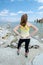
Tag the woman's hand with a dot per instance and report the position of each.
(28, 36)
(20, 35)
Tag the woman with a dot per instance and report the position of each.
(24, 33)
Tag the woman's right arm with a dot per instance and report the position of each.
(15, 29)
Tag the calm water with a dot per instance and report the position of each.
(13, 24)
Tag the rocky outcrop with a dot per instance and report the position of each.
(40, 20)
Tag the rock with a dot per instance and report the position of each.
(42, 39)
(8, 56)
(38, 60)
(34, 42)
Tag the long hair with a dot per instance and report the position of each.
(23, 20)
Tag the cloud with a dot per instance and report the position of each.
(40, 8)
(4, 12)
(9, 19)
(40, 13)
(13, 14)
(7, 13)
(19, 12)
(12, 0)
(40, 1)
(22, 12)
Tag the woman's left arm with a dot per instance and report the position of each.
(35, 29)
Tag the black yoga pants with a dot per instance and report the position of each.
(27, 41)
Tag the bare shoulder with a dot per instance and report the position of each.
(29, 24)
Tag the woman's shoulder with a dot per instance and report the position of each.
(29, 24)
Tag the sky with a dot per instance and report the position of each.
(12, 10)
